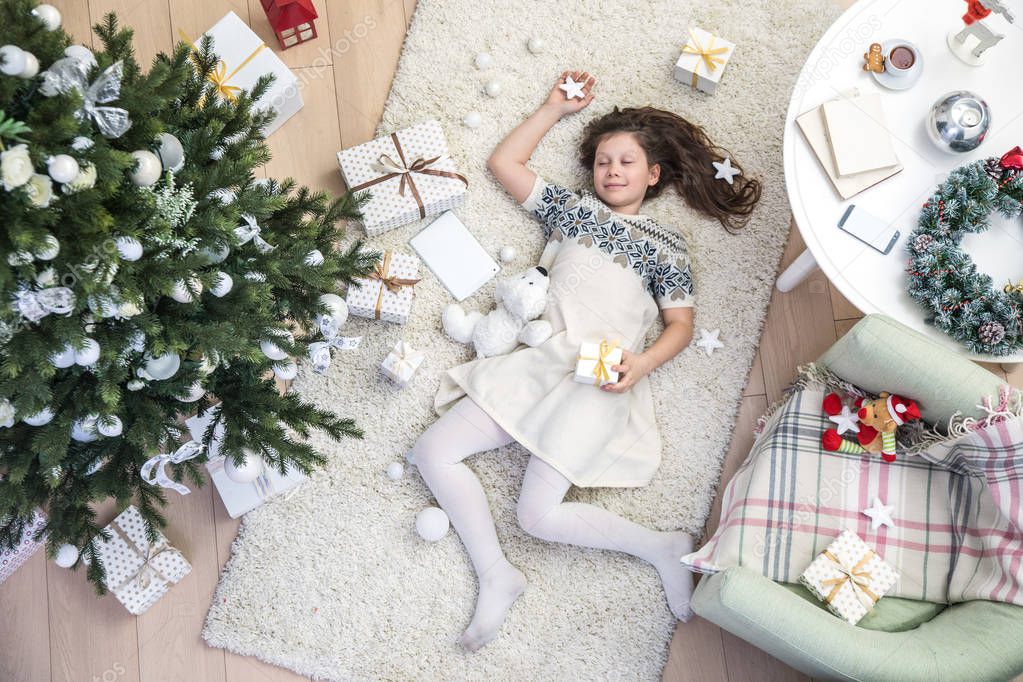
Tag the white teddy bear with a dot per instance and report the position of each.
(520, 300)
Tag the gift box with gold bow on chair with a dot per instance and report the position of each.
(594, 363)
(386, 294)
(849, 577)
(138, 572)
(703, 60)
(243, 59)
(408, 174)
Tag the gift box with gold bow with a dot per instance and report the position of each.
(244, 57)
(703, 60)
(849, 577)
(138, 572)
(401, 363)
(408, 174)
(593, 365)
(387, 293)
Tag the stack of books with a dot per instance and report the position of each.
(850, 137)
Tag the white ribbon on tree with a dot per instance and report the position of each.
(153, 470)
(35, 305)
(319, 351)
(250, 232)
(70, 73)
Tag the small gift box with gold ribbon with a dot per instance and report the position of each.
(703, 60)
(408, 174)
(401, 363)
(387, 293)
(593, 365)
(849, 577)
(244, 57)
(138, 572)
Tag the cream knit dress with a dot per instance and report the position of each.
(609, 275)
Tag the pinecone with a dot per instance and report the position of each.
(993, 167)
(922, 242)
(990, 333)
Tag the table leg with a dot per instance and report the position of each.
(796, 272)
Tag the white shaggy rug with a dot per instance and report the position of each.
(333, 582)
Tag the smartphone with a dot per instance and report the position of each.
(869, 229)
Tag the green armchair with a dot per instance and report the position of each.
(902, 639)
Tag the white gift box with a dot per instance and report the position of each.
(136, 571)
(401, 363)
(387, 293)
(849, 577)
(240, 498)
(12, 559)
(244, 58)
(593, 366)
(703, 60)
(408, 174)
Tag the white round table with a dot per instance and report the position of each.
(873, 282)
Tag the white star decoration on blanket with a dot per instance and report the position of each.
(880, 514)
(845, 420)
(725, 171)
(709, 341)
(572, 89)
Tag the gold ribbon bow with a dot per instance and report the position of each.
(601, 370)
(706, 54)
(857, 578)
(146, 572)
(393, 283)
(393, 169)
(219, 75)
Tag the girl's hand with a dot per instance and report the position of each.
(633, 367)
(564, 106)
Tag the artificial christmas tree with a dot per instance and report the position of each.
(143, 267)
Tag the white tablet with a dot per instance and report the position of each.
(454, 255)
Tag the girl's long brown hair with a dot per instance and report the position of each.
(685, 154)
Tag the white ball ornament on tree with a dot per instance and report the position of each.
(272, 350)
(62, 168)
(162, 367)
(40, 418)
(313, 258)
(84, 430)
(483, 61)
(31, 66)
(13, 60)
(135, 385)
(223, 285)
(182, 291)
(80, 53)
(63, 359)
(147, 169)
(129, 248)
(395, 470)
(287, 372)
(19, 258)
(246, 472)
(216, 254)
(337, 306)
(493, 88)
(195, 392)
(432, 524)
(67, 555)
(110, 426)
(50, 248)
(48, 15)
(171, 153)
(472, 120)
(88, 354)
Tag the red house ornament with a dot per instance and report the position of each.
(291, 20)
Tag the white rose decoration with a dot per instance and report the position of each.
(6, 414)
(40, 190)
(86, 179)
(16, 166)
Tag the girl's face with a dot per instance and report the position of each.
(621, 173)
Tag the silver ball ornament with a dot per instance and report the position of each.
(171, 153)
(958, 122)
(62, 168)
(147, 169)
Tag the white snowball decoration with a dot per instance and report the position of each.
(13, 60)
(223, 286)
(67, 555)
(472, 120)
(64, 358)
(43, 416)
(89, 353)
(62, 168)
(84, 430)
(147, 168)
(80, 143)
(536, 45)
(171, 153)
(337, 306)
(484, 61)
(182, 292)
(31, 66)
(81, 53)
(432, 524)
(493, 88)
(195, 392)
(272, 351)
(49, 15)
(110, 426)
(395, 470)
(50, 249)
(129, 248)
(314, 258)
(286, 373)
(162, 366)
(246, 472)
(508, 253)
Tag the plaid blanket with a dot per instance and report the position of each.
(958, 517)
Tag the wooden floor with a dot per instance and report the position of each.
(54, 627)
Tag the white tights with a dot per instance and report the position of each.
(465, 430)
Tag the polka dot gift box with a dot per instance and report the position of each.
(137, 572)
(12, 559)
(849, 577)
(408, 174)
(387, 293)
